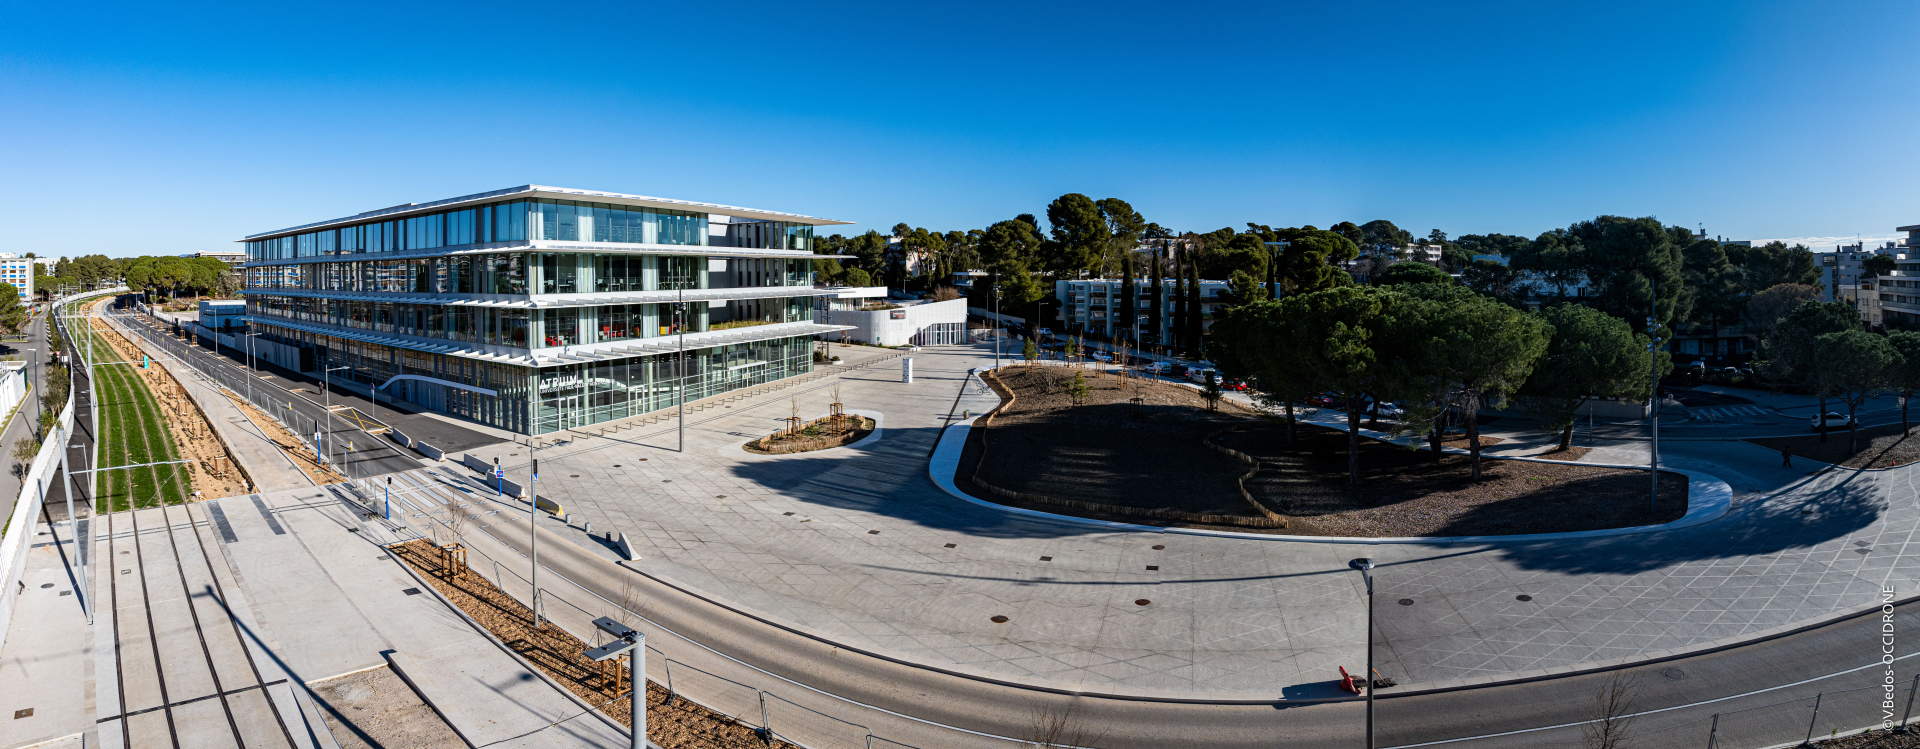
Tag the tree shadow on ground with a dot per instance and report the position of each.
(1797, 518)
(889, 477)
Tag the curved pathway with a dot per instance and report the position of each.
(860, 546)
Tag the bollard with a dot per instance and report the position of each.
(1815, 720)
(637, 685)
(906, 370)
(766, 731)
(1910, 691)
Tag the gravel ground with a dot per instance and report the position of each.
(1407, 493)
(679, 725)
(376, 710)
(1880, 447)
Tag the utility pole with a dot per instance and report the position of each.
(533, 535)
(1653, 362)
(1365, 566)
(680, 314)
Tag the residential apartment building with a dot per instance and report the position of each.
(1093, 306)
(536, 309)
(230, 258)
(1899, 293)
(18, 271)
(1841, 268)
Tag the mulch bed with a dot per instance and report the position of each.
(817, 436)
(1409, 493)
(1103, 452)
(1880, 447)
(1894, 739)
(680, 724)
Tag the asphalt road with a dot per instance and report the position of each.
(371, 454)
(1728, 682)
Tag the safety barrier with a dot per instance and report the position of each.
(798, 714)
(17, 537)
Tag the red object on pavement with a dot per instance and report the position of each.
(1346, 681)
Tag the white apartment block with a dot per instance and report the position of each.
(1094, 305)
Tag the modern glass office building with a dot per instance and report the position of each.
(537, 309)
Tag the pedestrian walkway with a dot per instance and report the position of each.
(330, 601)
(1731, 413)
(854, 543)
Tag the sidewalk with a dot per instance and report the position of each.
(47, 666)
(263, 460)
(330, 601)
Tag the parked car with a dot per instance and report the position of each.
(1199, 374)
(1831, 420)
(1159, 367)
(1102, 356)
(1234, 384)
(1324, 400)
(1177, 370)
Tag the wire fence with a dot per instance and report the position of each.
(799, 714)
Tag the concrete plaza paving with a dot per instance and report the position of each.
(859, 545)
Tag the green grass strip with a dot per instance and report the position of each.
(134, 431)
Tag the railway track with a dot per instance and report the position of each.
(184, 674)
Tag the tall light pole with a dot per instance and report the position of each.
(328, 395)
(680, 315)
(533, 535)
(1653, 362)
(1365, 566)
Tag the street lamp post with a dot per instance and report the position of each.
(327, 392)
(1365, 566)
(680, 315)
(533, 536)
(630, 642)
(1653, 362)
(86, 588)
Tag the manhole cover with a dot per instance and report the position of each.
(1406, 602)
(719, 496)
(46, 585)
(1159, 547)
(27, 713)
(999, 620)
(573, 475)
(643, 460)
(1046, 559)
(616, 465)
(1673, 673)
(1141, 602)
(1523, 597)
(412, 591)
(949, 546)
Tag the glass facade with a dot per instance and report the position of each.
(509, 221)
(576, 395)
(521, 273)
(430, 294)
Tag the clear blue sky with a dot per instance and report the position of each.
(155, 128)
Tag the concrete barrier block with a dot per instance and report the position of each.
(429, 451)
(400, 437)
(626, 548)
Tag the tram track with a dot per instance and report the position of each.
(128, 528)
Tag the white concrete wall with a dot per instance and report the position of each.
(879, 327)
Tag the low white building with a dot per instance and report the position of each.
(896, 323)
(849, 297)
